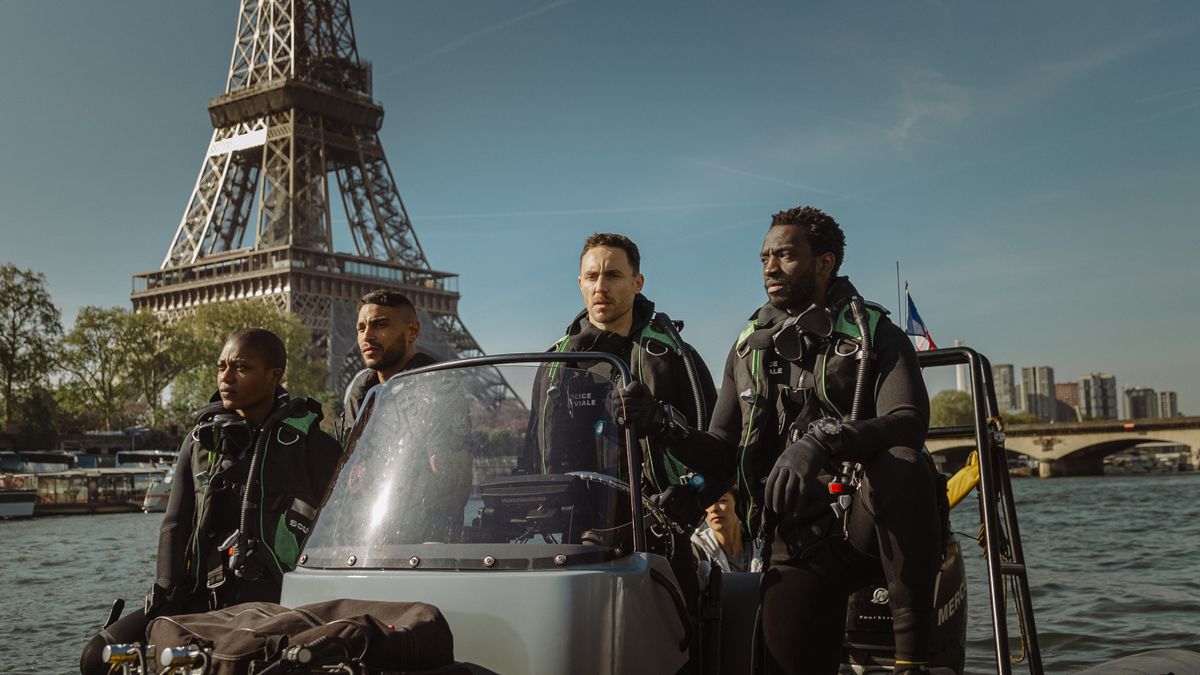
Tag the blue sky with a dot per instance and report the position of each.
(1034, 167)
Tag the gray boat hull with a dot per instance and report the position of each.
(589, 620)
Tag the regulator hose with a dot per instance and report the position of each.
(289, 408)
(688, 366)
(859, 313)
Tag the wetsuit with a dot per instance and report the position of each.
(367, 379)
(297, 465)
(894, 531)
(559, 436)
(561, 433)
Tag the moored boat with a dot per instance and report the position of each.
(17, 495)
(157, 494)
(84, 491)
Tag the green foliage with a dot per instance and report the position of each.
(155, 352)
(29, 325)
(96, 361)
(1017, 417)
(951, 408)
(205, 332)
(37, 419)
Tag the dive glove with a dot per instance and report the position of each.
(794, 478)
(636, 405)
(680, 503)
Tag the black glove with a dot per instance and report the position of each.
(794, 477)
(637, 406)
(681, 503)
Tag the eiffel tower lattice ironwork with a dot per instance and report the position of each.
(295, 130)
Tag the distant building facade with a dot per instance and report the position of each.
(1037, 392)
(1067, 392)
(1168, 404)
(1140, 403)
(1006, 388)
(1098, 396)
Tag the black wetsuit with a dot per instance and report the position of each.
(367, 379)
(894, 529)
(560, 437)
(205, 508)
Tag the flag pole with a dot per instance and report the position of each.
(899, 303)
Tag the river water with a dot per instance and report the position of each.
(1113, 565)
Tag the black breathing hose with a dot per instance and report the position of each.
(864, 355)
(688, 366)
(260, 446)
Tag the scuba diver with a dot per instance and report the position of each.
(819, 378)
(248, 482)
(619, 320)
(387, 329)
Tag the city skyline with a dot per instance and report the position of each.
(1031, 167)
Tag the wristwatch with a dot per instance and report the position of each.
(828, 432)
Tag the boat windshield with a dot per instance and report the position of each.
(446, 469)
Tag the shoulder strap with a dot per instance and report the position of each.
(845, 326)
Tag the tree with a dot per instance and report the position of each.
(29, 325)
(37, 419)
(951, 408)
(94, 359)
(154, 353)
(206, 331)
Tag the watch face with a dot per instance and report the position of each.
(829, 426)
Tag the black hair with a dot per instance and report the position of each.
(263, 343)
(823, 233)
(614, 240)
(386, 298)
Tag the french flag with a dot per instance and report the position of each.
(916, 327)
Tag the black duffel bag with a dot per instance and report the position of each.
(386, 637)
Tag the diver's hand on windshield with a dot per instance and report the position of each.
(794, 478)
(637, 406)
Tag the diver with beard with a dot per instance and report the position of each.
(387, 330)
(791, 410)
(562, 434)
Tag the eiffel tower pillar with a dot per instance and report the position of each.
(295, 132)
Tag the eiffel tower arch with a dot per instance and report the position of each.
(296, 132)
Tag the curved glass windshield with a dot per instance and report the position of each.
(442, 472)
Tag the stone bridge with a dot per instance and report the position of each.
(1078, 448)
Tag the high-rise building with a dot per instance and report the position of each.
(1037, 392)
(1067, 392)
(1006, 387)
(1168, 404)
(1098, 396)
(1140, 403)
(1067, 401)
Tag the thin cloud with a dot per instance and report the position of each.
(1168, 94)
(472, 37)
(926, 96)
(574, 212)
(768, 179)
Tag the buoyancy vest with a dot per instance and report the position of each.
(655, 359)
(825, 386)
(285, 495)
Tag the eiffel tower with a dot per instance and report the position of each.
(295, 130)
